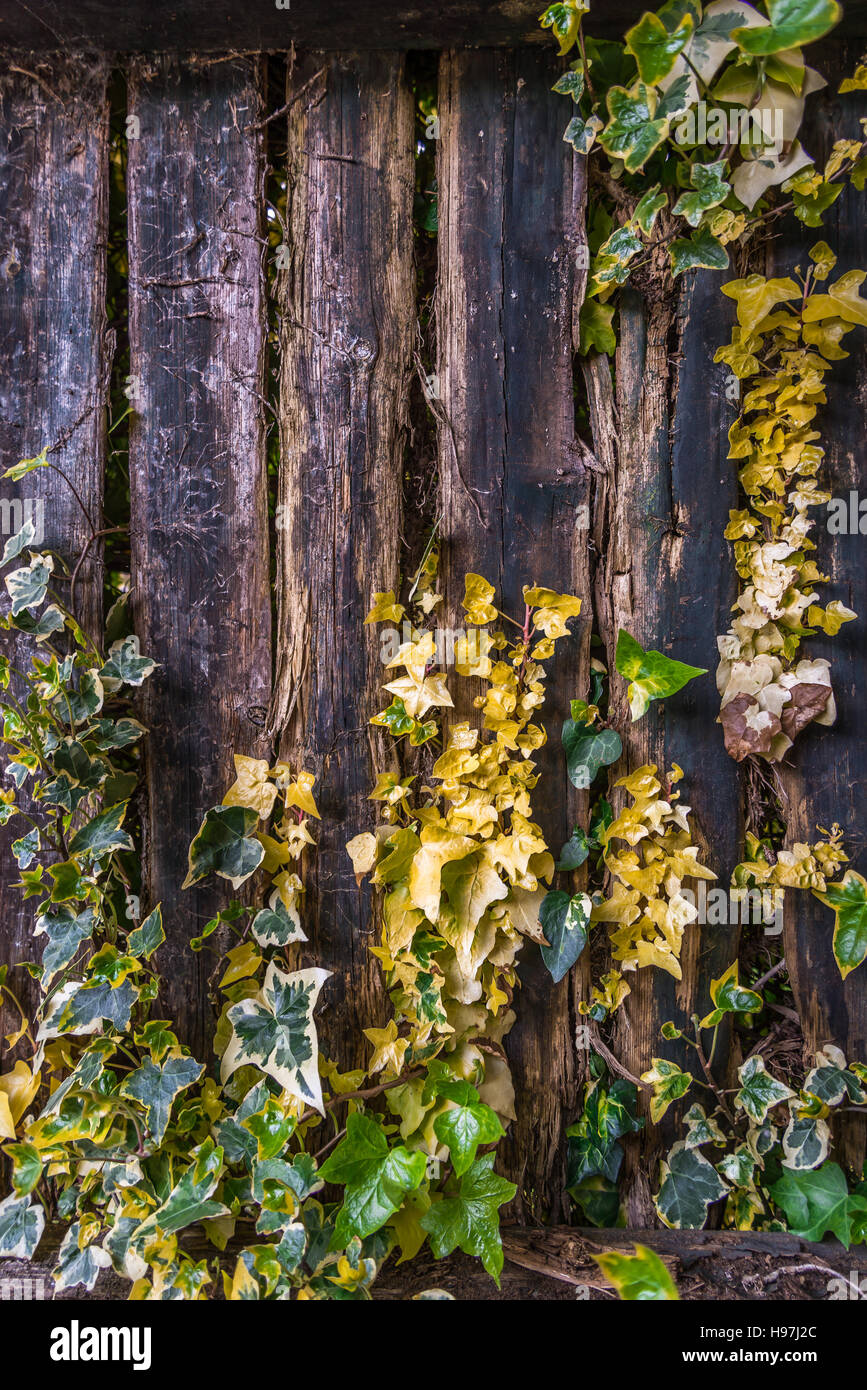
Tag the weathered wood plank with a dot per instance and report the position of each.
(198, 476)
(666, 576)
(827, 777)
(53, 354)
(513, 485)
(347, 323)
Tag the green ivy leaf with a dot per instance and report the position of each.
(730, 997)
(689, 1186)
(607, 1116)
(759, 1090)
(564, 920)
(103, 834)
(155, 1088)
(126, 665)
(816, 1202)
(651, 675)
(641, 1277)
(574, 852)
(632, 134)
(26, 1167)
(587, 750)
(649, 207)
(700, 251)
(793, 23)
(709, 190)
(225, 845)
(149, 936)
(376, 1178)
(656, 48)
(466, 1125)
(469, 1220)
(190, 1199)
(848, 900)
(595, 333)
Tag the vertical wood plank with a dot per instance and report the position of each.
(667, 577)
(347, 323)
(198, 472)
(53, 357)
(512, 478)
(826, 779)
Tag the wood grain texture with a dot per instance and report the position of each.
(347, 312)
(513, 483)
(665, 575)
(826, 776)
(53, 355)
(198, 479)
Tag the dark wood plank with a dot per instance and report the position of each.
(197, 457)
(666, 576)
(513, 482)
(53, 359)
(347, 308)
(827, 777)
(201, 27)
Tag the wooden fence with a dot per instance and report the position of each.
(303, 678)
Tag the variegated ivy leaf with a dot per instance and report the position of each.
(23, 539)
(729, 997)
(81, 1008)
(225, 845)
(759, 1090)
(564, 920)
(110, 733)
(376, 1178)
(125, 665)
(65, 929)
(125, 1262)
(738, 1167)
(76, 1265)
(806, 1141)
(656, 48)
(848, 899)
(641, 1277)
(632, 134)
(275, 1032)
(82, 704)
(28, 586)
(155, 1089)
(189, 1200)
(581, 134)
(792, 24)
(702, 1129)
(21, 1227)
(26, 848)
(831, 1080)
(146, 938)
(689, 1186)
(103, 834)
(669, 1083)
(651, 675)
(40, 628)
(762, 1138)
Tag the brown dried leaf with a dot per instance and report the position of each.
(740, 739)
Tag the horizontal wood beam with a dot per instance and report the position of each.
(126, 26)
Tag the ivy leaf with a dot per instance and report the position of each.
(65, 930)
(571, 83)
(126, 665)
(24, 466)
(274, 926)
(730, 997)
(848, 899)
(470, 1221)
(574, 852)
(649, 207)
(587, 750)
(581, 133)
(26, 849)
(225, 845)
(594, 328)
(652, 676)
(376, 1178)
(815, 1202)
(641, 1277)
(21, 1227)
(155, 1088)
(26, 1167)
(709, 190)
(593, 1150)
(275, 1032)
(467, 1125)
(190, 1199)
(632, 134)
(689, 1186)
(656, 48)
(90, 1005)
(149, 936)
(806, 1142)
(564, 921)
(793, 23)
(701, 251)
(669, 1083)
(103, 834)
(759, 1090)
(27, 586)
(77, 1266)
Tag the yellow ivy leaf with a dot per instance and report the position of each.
(389, 1050)
(300, 793)
(244, 960)
(362, 851)
(477, 599)
(755, 297)
(842, 301)
(385, 609)
(253, 787)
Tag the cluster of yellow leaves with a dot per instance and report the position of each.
(786, 338)
(459, 861)
(646, 909)
(258, 787)
(802, 866)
